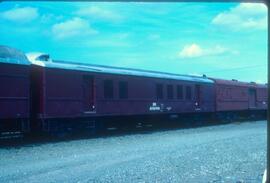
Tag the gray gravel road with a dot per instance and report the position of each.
(226, 153)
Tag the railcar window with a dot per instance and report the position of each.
(159, 91)
(179, 92)
(188, 93)
(123, 90)
(170, 91)
(108, 89)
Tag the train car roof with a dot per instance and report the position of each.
(239, 83)
(12, 56)
(115, 70)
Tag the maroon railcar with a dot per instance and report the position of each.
(236, 96)
(67, 95)
(14, 92)
(67, 92)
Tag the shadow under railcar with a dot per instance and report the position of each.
(121, 126)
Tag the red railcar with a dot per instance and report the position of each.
(71, 91)
(14, 92)
(236, 96)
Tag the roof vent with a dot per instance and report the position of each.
(37, 56)
(44, 57)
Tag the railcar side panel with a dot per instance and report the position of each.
(63, 93)
(142, 97)
(67, 96)
(15, 91)
(261, 98)
(230, 98)
(240, 96)
(207, 97)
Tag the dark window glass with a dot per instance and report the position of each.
(179, 92)
(170, 91)
(123, 90)
(159, 91)
(188, 93)
(108, 89)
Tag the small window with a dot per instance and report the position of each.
(170, 91)
(188, 93)
(179, 92)
(159, 91)
(123, 90)
(108, 89)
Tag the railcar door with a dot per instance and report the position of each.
(88, 94)
(198, 97)
(252, 98)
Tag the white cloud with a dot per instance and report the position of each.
(21, 15)
(95, 12)
(71, 28)
(243, 16)
(194, 50)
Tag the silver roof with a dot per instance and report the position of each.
(113, 70)
(12, 56)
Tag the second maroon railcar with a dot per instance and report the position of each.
(236, 96)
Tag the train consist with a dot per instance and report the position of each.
(43, 95)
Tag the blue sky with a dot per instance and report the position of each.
(223, 40)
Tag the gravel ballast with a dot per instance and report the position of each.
(225, 153)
